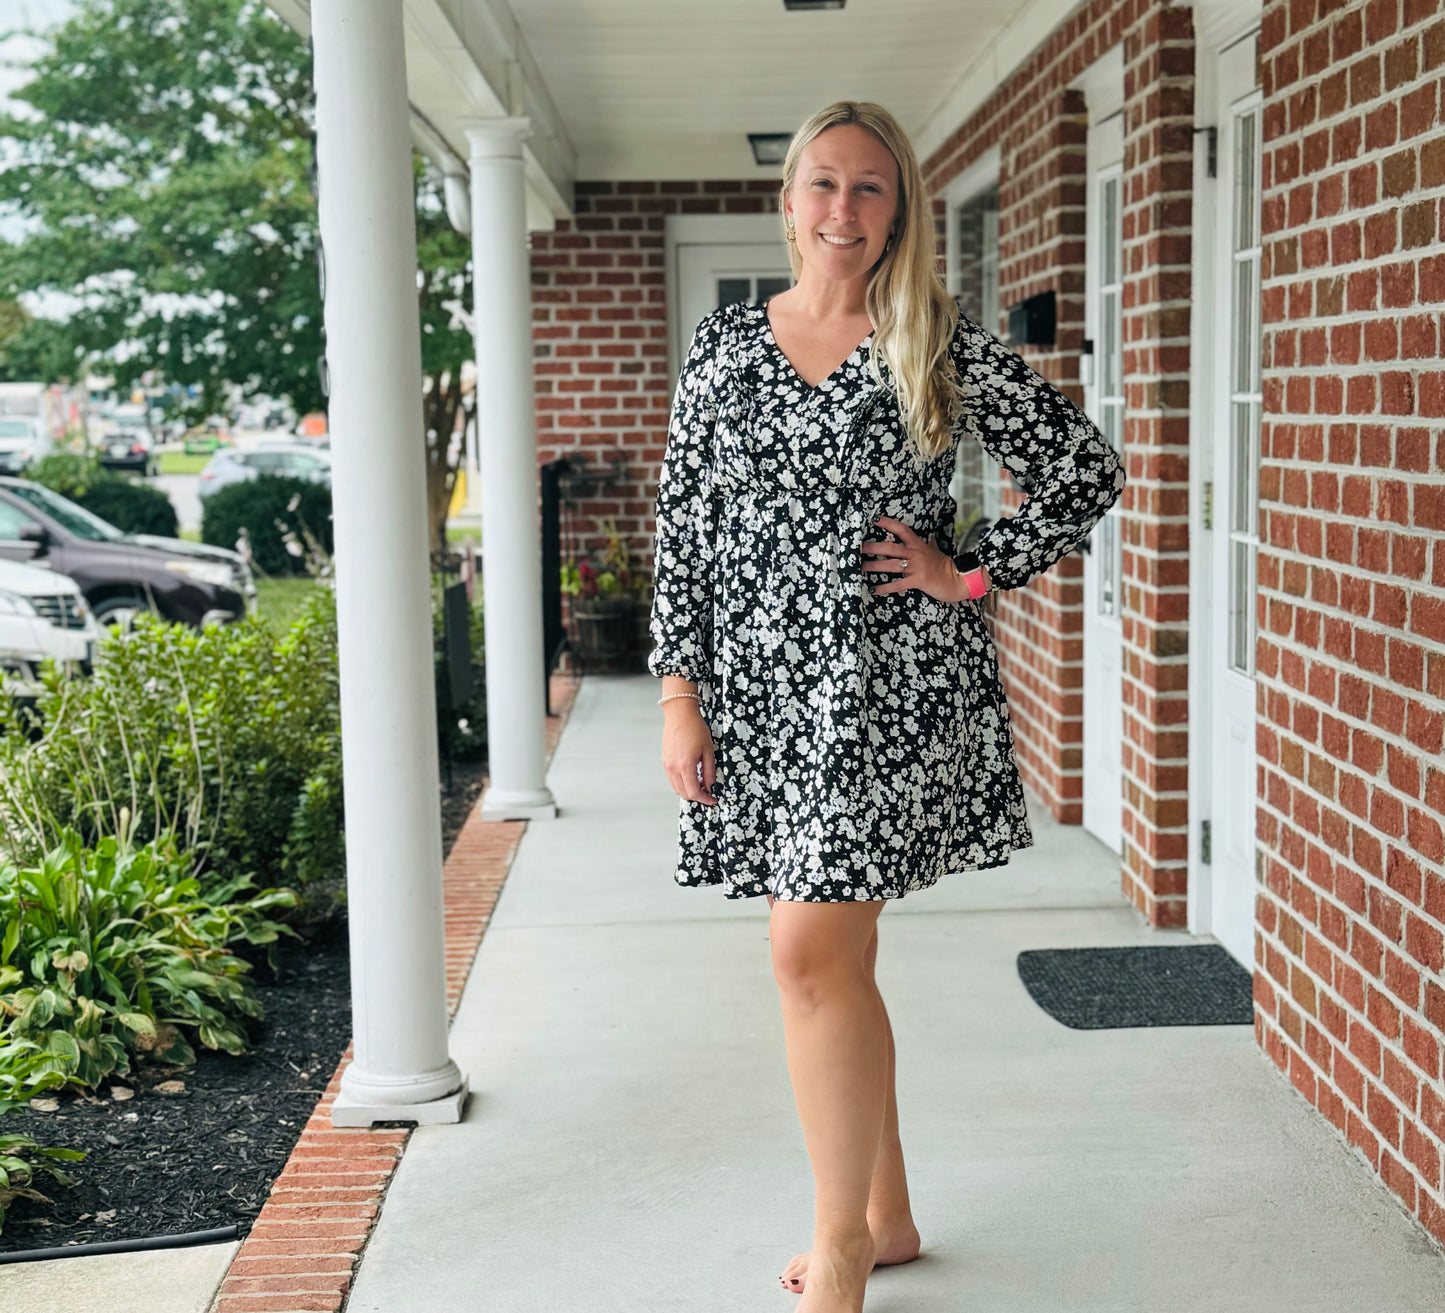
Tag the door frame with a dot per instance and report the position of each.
(683, 230)
(1218, 27)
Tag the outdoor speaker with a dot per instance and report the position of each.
(1031, 322)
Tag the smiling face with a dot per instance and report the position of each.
(843, 201)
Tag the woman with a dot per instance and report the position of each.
(833, 717)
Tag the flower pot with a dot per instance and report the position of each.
(604, 625)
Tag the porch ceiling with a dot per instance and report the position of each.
(671, 88)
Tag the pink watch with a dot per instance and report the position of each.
(971, 568)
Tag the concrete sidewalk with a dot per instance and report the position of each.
(631, 1142)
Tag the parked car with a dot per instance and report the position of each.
(120, 573)
(126, 441)
(284, 459)
(42, 615)
(22, 439)
(209, 437)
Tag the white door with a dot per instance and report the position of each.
(1103, 559)
(1231, 505)
(714, 260)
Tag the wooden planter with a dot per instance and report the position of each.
(604, 625)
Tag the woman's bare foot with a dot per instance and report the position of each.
(895, 1242)
(840, 1275)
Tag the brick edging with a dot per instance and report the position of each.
(302, 1249)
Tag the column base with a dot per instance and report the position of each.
(348, 1111)
(517, 805)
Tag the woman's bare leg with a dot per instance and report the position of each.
(838, 1060)
(890, 1214)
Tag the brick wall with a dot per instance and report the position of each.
(1351, 653)
(1039, 127)
(599, 311)
(1157, 218)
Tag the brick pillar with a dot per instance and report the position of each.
(1158, 150)
(1042, 188)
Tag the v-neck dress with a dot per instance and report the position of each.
(861, 741)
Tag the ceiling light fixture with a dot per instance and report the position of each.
(814, 4)
(769, 147)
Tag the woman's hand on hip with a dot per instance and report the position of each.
(687, 751)
(911, 562)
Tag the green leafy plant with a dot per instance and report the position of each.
(281, 521)
(110, 951)
(227, 737)
(22, 1162)
(132, 507)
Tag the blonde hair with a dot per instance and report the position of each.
(913, 315)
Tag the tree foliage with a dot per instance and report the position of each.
(161, 167)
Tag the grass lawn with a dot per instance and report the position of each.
(457, 536)
(177, 462)
(190, 535)
(281, 599)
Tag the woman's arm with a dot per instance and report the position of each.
(681, 621)
(1033, 430)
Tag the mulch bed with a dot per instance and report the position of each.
(205, 1156)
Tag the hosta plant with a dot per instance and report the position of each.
(110, 952)
(22, 1162)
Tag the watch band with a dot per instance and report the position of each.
(971, 568)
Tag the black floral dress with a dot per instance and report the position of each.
(862, 740)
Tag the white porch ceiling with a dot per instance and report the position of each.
(669, 89)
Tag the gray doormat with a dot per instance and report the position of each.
(1147, 985)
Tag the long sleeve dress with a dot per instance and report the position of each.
(862, 741)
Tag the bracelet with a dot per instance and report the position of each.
(972, 580)
(666, 696)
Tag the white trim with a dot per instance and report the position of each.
(1218, 24)
(679, 230)
(1103, 85)
(998, 60)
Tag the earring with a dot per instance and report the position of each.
(792, 236)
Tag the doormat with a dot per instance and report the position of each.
(1146, 985)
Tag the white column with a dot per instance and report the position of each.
(401, 1069)
(507, 449)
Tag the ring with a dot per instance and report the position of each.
(903, 565)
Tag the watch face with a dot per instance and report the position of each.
(966, 561)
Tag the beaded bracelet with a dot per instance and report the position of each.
(666, 696)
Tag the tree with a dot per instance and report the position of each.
(164, 169)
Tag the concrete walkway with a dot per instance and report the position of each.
(631, 1143)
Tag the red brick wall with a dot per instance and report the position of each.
(1157, 218)
(599, 311)
(1351, 654)
(1039, 127)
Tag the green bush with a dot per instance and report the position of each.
(109, 951)
(18, 1175)
(228, 737)
(274, 515)
(132, 507)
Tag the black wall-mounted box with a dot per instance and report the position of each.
(1031, 322)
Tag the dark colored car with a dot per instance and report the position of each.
(120, 573)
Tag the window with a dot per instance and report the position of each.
(12, 520)
(753, 290)
(1109, 402)
(977, 482)
(1245, 394)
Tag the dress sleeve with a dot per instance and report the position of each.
(1035, 431)
(681, 622)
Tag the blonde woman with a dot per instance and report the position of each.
(833, 718)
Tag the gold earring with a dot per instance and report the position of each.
(792, 237)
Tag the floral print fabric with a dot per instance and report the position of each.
(862, 742)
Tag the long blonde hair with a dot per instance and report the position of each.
(913, 315)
